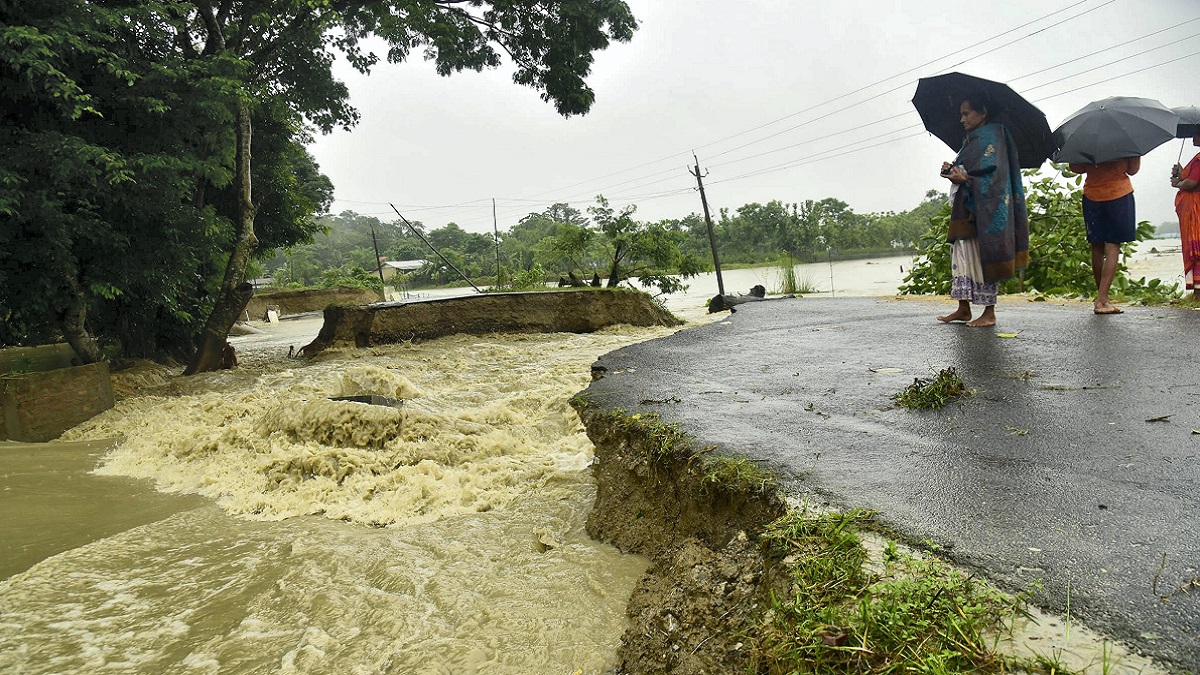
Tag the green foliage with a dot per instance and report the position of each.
(930, 272)
(916, 615)
(932, 393)
(1059, 254)
(788, 283)
(352, 277)
(118, 144)
(652, 253)
(527, 280)
(813, 229)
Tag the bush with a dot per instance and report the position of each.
(352, 277)
(1060, 259)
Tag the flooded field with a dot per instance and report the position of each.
(445, 535)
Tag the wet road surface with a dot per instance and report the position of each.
(1073, 464)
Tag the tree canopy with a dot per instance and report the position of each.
(135, 130)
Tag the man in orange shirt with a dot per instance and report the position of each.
(1108, 213)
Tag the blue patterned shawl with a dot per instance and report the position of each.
(991, 208)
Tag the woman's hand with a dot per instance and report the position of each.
(957, 175)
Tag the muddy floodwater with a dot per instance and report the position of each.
(243, 522)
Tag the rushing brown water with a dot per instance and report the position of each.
(442, 536)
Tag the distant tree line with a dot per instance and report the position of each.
(604, 243)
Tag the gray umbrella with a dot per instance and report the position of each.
(1114, 128)
(1189, 121)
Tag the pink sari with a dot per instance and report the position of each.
(1187, 207)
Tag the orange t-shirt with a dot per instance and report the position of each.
(1109, 180)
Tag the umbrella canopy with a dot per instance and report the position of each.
(1189, 121)
(938, 98)
(1114, 128)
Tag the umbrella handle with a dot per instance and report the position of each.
(1181, 146)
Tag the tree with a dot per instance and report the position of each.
(93, 179)
(287, 48)
(240, 67)
(119, 156)
(648, 252)
(523, 245)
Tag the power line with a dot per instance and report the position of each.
(843, 96)
(913, 69)
(1105, 65)
(1106, 49)
(819, 157)
(898, 88)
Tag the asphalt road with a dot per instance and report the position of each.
(1073, 463)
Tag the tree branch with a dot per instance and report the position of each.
(216, 40)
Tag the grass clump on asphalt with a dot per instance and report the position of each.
(666, 441)
(932, 393)
(738, 474)
(843, 615)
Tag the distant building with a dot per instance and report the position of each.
(393, 267)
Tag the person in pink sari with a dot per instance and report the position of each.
(1187, 206)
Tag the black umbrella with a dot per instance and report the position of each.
(938, 99)
(1189, 121)
(1114, 128)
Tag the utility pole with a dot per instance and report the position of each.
(496, 238)
(712, 238)
(434, 249)
(378, 260)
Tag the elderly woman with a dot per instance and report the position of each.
(989, 227)
(1187, 207)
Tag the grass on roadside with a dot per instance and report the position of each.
(842, 615)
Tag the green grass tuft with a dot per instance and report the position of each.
(914, 616)
(932, 393)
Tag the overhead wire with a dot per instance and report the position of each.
(607, 189)
(822, 156)
(837, 98)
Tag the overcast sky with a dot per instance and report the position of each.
(780, 99)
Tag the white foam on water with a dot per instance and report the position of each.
(445, 535)
(484, 421)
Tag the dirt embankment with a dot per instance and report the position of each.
(697, 516)
(308, 300)
(570, 311)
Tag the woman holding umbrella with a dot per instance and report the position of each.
(989, 227)
(1105, 140)
(1187, 207)
(1108, 215)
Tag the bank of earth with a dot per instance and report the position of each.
(745, 579)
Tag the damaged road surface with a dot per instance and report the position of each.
(1070, 468)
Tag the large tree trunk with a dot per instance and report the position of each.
(234, 293)
(614, 272)
(72, 322)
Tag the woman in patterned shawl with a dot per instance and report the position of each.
(1187, 206)
(989, 227)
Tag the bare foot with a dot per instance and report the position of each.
(982, 322)
(1106, 308)
(958, 315)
